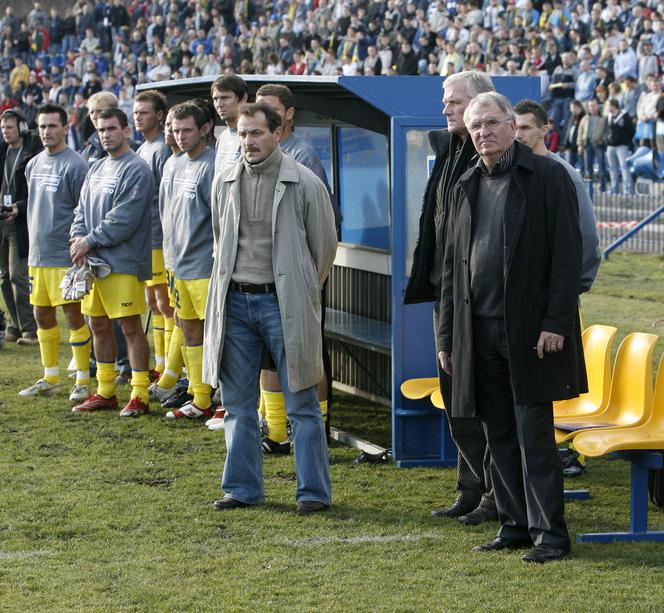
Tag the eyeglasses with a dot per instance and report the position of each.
(489, 124)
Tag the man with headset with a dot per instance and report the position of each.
(19, 146)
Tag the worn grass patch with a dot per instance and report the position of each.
(101, 514)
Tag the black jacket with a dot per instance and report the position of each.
(621, 130)
(444, 145)
(542, 247)
(18, 187)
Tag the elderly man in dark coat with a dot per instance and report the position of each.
(509, 327)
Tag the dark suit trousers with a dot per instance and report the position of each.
(473, 458)
(525, 467)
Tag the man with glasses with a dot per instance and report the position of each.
(509, 327)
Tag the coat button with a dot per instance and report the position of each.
(465, 262)
(466, 301)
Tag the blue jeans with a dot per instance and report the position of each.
(560, 112)
(254, 321)
(592, 153)
(616, 157)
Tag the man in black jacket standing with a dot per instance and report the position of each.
(509, 330)
(19, 146)
(454, 151)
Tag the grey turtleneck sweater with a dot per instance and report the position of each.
(253, 263)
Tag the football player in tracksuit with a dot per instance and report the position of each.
(113, 222)
(149, 115)
(164, 389)
(54, 178)
(192, 244)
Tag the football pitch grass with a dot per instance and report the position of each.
(99, 513)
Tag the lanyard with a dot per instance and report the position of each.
(7, 178)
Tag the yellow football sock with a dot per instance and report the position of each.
(202, 391)
(261, 403)
(158, 337)
(106, 379)
(80, 341)
(275, 416)
(140, 380)
(49, 344)
(169, 323)
(175, 360)
(323, 409)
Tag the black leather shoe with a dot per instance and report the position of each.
(478, 516)
(545, 553)
(500, 543)
(311, 506)
(177, 400)
(458, 509)
(274, 448)
(229, 503)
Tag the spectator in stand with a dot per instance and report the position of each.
(626, 63)
(407, 60)
(619, 142)
(593, 132)
(551, 136)
(585, 83)
(562, 87)
(649, 63)
(646, 111)
(570, 141)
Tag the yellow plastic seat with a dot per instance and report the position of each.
(597, 343)
(646, 437)
(416, 389)
(630, 400)
(437, 399)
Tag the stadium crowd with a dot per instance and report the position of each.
(610, 50)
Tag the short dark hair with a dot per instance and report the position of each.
(273, 118)
(119, 114)
(206, 106)
(47, 109)
(281, 92)
(613, 102)
(156, 98)
(190, 109)
(231, 83)
(530, 106)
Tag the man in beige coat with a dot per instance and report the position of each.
(275, 242)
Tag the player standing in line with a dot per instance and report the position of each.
(54, 178)
(164, 390)
(113, 220)
(149, 115)
(229, 93)
(192, 244)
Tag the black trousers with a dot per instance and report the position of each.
(525, 466)
(473, 457)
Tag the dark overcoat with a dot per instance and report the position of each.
(542, 268)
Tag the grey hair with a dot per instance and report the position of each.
(491, 98)
(476, 82)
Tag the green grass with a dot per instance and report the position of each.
(103, 514)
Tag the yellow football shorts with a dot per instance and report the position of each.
(190, 297)
(170, 279)
(45, 286)
(158, 269)
(117, 295)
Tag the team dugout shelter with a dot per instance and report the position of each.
(371, 134)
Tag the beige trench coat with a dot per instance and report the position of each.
(304, 244)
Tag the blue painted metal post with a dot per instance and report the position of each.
(635, 230)
(638, 521)
(638, 503)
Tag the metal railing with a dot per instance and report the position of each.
(630, 223)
